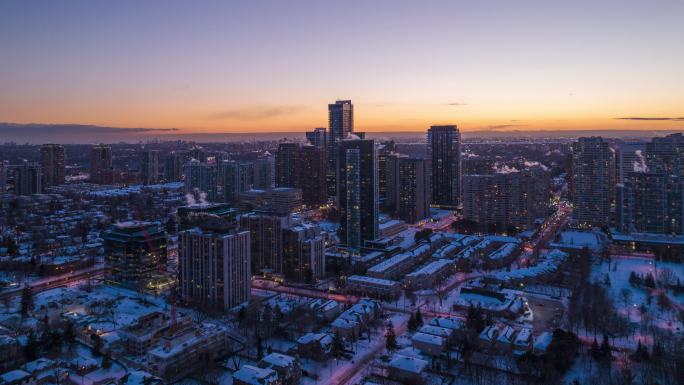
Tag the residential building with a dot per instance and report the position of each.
(444, 152)
(592, 181)
(101, 164)
(149, 167)
(340, 125)
(53, 163)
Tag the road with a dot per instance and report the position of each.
(48, 283)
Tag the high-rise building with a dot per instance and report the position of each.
(135, 253)
(173, 167)
(302, 167)
(666, 155)
(629, 157)
(340, 125)
(28, 179)
(101, 164)
(266, 235)
(303, 254)
(287, 165)
(650, 198)
(312, 175)
(232, 178)
(200, 177)
(384, 150)
(317, 137)
(4, 171)
(592, 181)
(408, 195)
(357, 191)
(149, 166)
(444, 152)
(505, 201)
(54, 167)
(214, 267)
(263, 172)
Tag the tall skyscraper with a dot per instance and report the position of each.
(4, 171)
(592, 181)
(340, 125)
(149, 166)
(28, 179)
(232, 178)
(357, 191)
(173, 167)
(408, 195)
(444, 152)
(317, 137)
(101, 164)
(54, 167)
(214, 267)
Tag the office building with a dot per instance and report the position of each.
(149, 167)
(407, 194)
(214, 267)
(101, 164)
(53, 163)
(340, 125)
(357, 191)
(444, 153)
(135, 253)
(201, 178)
(592, 181)
(232, 178)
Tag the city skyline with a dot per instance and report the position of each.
(238, 68)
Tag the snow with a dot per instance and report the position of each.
(409, 364)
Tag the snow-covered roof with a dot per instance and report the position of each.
(409, 364)
(428, 339)
(256, 376)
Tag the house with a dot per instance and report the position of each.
(17, 377)
(288, 368)
(316, 346)
(447, 322)
(523, 341)
(407, 370)
(350, 323)
(253, 375)
(429, 344)
(446, 333)
(325, 310)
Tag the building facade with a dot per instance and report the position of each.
(340, 125)
(357, 191)
(54, 166)
(592, 181)
(444, 152)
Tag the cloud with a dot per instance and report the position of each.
(680, 119)
(456, 104)
(503, 126)
(72, 129)
(255, 112)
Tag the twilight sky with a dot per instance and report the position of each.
(245, 66)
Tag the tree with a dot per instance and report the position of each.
(419, 318)
(649, 281)
(107, 359)
(421, 235)
(26, 301)
(338, 345)
(626, 295)
(31, 348)
(412, 322)
(260, 349)
(605, 349)
(390, 338)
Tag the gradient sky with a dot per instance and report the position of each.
(241, 66)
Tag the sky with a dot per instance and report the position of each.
(270, 66)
